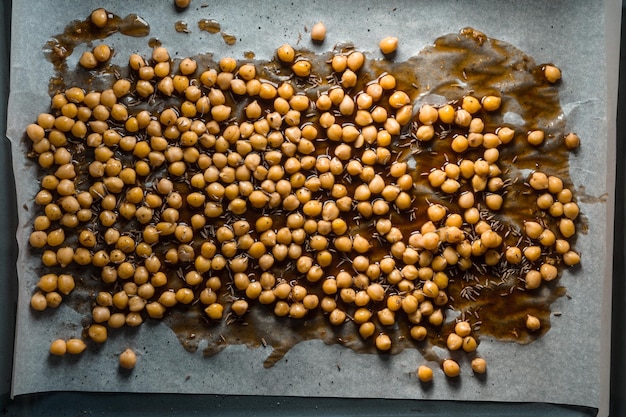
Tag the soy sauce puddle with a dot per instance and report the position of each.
(492, 299)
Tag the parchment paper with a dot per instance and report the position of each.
(565, 366)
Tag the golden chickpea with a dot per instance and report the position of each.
(75, 346)
(469, 344)
(471, 104)
(536, 137)
(491, 103)
(355, 60)
(128, 359)
(552, 73)
(286, 53)
(337, 317)
(318, 32)
(97, 333)
(454, 342)
(388, 45)
(424, 373)
(102, 53)
(58, 347)
(571, 258)
(548, 272)
(479, 365)
(383, 342)
(451, 368)
(88, 60)
(99, 17)
(418, 332)
(572, 141)
(367, 329)
(532, 323)
(38, 301)
(566, 227)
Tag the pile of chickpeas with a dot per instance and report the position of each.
(240, 192)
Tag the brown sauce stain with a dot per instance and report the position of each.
(583, 197)
(492, 298)
(181, 27)
(229, 39)
(154, 42)
(62, 45)
(209, 25)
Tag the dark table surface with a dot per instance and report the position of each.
(72, 404)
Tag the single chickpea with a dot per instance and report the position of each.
(491, 103)
(451, 368)
(536, 137)
(424, 373)
(286, 53)
(383, 342)
(532, 323)
(128, 359)
(552, 73)
(58, 347)
(572, 141)
(479, 365)
(97, 333)
(38, 301)
(99, 17)
(75, 346)
(388, 45)
(318, 32)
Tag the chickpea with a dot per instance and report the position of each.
(572, 141)
(367, 329)
(355, 60)
(318, 32)
(128, 359)
(38, 301)
(418, 332)
(286, 54)
(97, 333)
(388, 45)
(99, 17)
(102, 53)
(479, 365)
(75, 346)
(383, 342)
(536, 137)
(424, 373)
(552, 73)
(58, 347)
(454, 341)
(532, 323)
(451, 368)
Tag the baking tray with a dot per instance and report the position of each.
(234, 404)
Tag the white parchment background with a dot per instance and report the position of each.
(565, 366)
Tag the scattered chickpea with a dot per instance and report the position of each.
(128, 359)
(388, 45)
(572, 141)
(424, 373)
(479, 365)
(58, 347)
(318, 32)
(536, 137)
(75, 346)
(532, 323)
(552, 73)
(99, 17)
(451, 368)
(383, 342)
